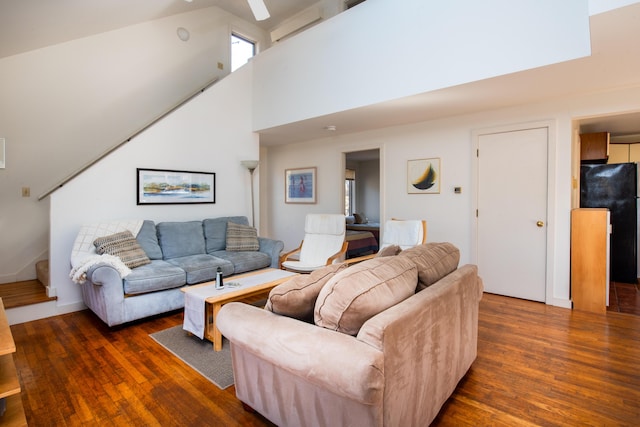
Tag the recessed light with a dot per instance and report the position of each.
(330, 128)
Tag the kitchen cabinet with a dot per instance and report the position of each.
(594, 147)
(590, 247)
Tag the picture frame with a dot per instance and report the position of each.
(168, 187)
(423, 176)
(300, 185)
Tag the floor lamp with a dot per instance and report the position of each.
(251, 165)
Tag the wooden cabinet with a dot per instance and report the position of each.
(9, 383)
(590, 230)
(624, 153)
(594, 146)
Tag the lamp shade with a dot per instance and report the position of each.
(250, 164)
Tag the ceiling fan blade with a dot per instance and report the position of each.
(259, 9)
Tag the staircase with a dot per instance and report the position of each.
(28, 292)
(42, 272)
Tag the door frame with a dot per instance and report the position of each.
(551, 230)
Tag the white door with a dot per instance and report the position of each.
(512, 212)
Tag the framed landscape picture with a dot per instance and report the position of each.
(423, 176)
(300, 185)
(162, 187)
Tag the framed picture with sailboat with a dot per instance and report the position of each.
(423, 176)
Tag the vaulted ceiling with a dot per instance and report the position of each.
(615, 61)
(31, 24)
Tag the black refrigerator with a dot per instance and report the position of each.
(614, 187)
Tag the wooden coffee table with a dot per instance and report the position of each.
(236, 288)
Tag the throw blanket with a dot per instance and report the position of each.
(83, 254)
(79, 272)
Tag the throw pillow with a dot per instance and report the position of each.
(360, 218)
(434, 261)
(241, 238)
(356, 294)
(297, 296)
(390, 250)
(124, 246)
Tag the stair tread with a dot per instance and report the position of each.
(18, 294)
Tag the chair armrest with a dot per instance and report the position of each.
(356, 260)
(286, 255)
(331, 360)
(339, 254)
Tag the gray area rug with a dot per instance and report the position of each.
(199, 354)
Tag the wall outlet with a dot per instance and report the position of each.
(26, 192)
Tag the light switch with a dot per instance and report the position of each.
(26, 192)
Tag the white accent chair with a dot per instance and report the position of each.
(404, 233)
(323, 244)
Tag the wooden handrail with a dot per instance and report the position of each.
(114, 148)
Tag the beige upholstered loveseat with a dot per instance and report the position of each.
(378, 352)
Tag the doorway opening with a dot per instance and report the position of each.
(622, 147)
(361, 203)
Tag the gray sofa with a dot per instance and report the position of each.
(181, 253)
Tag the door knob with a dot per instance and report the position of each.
(540, 224)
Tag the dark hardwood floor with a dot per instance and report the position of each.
(536, 365)
(624, 298)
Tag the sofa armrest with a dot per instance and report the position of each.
(431, 336)
(328, 359)
(102, 274)
(273, 248)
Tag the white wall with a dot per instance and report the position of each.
(212, 133)
(368, 189)
(64, 105)
(450, 216)
(379, 51)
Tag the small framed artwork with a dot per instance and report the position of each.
(423, 176)
(300, 185)
(163, 187)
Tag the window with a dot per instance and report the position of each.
(242, 50)
(349, 192)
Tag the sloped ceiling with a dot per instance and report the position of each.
(615, 62)
(31, 24)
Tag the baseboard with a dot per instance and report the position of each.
(557, 302)
(43, 310)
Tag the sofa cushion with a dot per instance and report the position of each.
(148, 239)
(434, 261)
(202, 267)
(155, 276)
(124, 246)
(358, 293)
(245, 261)
(297, 296)
(215, 231)
(241, 238)
(180, 239)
